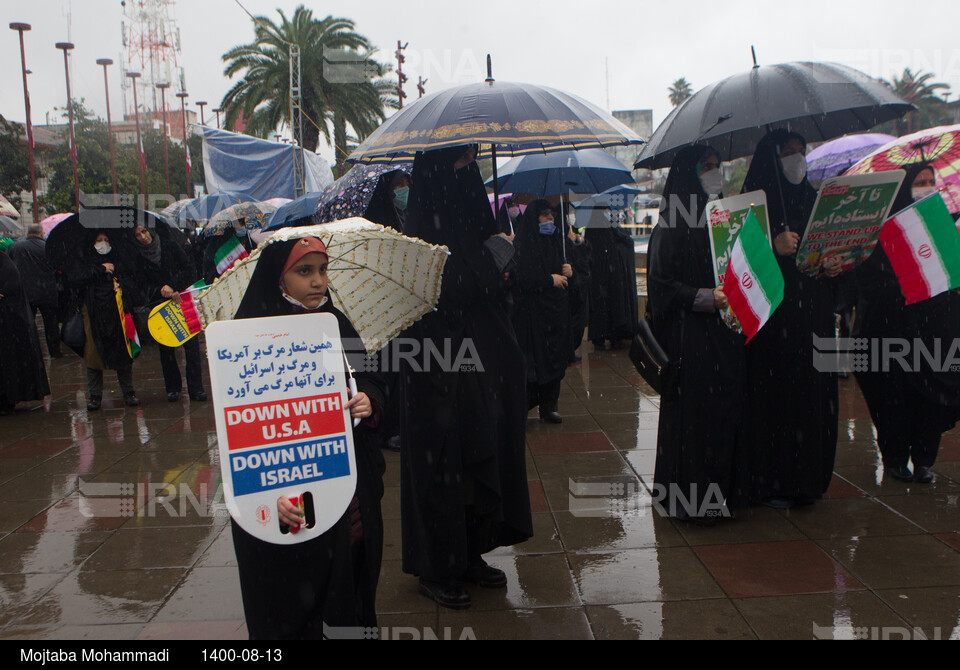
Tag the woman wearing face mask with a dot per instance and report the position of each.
(388, 204)
(700, 419)
(105, 347)
(292, 591)
(793, 407)
(911, 410)
(463, 481)
(542, 314)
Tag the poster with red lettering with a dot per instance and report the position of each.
(280, 394)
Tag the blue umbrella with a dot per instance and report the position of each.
(589, 212)
(585, 171)
(201, 209)
(294, 211)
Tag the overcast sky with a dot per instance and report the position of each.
(565, 44)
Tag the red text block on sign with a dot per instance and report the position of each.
(283, 420)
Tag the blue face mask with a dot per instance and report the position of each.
(400, 197)
(547, 228)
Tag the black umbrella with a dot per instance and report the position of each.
(66, 241)
(819, 101)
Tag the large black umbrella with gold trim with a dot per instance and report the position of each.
(513, 119)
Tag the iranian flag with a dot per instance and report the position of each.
(923, 245)
(189, 308)
(228, 254)
(753, 283)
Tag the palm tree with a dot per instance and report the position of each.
(341, 84)
(914, 88)
(680, 90)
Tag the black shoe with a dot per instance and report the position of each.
(393, 444)
(450, 596)
(551, 417)
(923, 475)
(173, 396)
(198, 397)
(131, 399)
(902, 473)
(94, 403)
(486, 576)
(778, 503)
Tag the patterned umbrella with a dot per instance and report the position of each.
(51, 221)
(350, 195)
(254, 216)
(834, 157)
(7, 209)
(172, 211)
(516, 119)
(382, 281)
(940, 147)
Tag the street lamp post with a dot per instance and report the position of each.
(186, 151)
(200, 104)
(106, 88)
(21, 28)
(217, 112)
(163, 86)
(66, 47)
(136, 113)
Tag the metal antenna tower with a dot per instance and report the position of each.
(151, 46)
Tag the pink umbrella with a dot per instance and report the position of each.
(503, 198)
(51, 221)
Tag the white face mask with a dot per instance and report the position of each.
(794, 168)
(922, 192)
(103, 248)
(712, 182)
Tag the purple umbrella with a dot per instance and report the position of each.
(834, 157)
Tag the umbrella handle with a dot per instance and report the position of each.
(351, 382)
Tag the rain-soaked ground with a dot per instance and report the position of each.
(107, 532)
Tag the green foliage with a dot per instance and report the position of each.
(93, 166)
(679, 91)
(329, 106)
(14, 162)
(917, 89)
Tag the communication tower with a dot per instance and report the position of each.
(151, 46)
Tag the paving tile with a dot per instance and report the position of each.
(18, 593)
(775, 568)
(145, 548)
(206, 593)
(194, 630)
(545, 540)
(851, 517)
(828, 616)
(938, 513)
(532, 582)
(572, 443)
(607, 531)
(642, 575)
(536, 624)
(934, 610)
(58, 552)
(897, 562)
(754, 525)
(131, 596)
(682, 620)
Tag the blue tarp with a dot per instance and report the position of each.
(257, 168)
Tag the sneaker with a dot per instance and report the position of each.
(94, 403)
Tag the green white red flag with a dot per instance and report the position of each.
(923, 245)
(753, 282)
(228, 254)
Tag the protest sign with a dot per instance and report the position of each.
(846, 220)
(280, 394)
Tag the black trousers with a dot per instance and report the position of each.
(172, 380)
(51, 328)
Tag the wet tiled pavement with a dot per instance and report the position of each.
(85, 553)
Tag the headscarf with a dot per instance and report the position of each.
(786, 202)
(905, 195)
(448, 206)
(264, 296)
(683, 181)
(151, 251)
